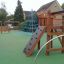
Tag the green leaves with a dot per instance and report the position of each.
(3, 14)
(62, 6)
(18, 15)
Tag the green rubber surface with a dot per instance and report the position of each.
(13, 43)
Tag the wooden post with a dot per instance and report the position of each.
(39, 45)
(49, 23)
(51, 36)
(39, 21)
(51, 42)
(49, 45)
(63, 44)
(63, 36)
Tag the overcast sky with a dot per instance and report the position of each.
(26, 4)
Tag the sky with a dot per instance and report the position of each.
(26, 4)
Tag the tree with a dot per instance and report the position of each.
(62, 6)
(10, 17)
(18, 15)
(3, 14)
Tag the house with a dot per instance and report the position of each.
(28, 14)
(54, 8)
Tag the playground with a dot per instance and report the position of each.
(11, 49)
(38, 40)
(19, 47)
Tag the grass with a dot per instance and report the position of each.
(13, 43)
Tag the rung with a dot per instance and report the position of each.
(55, 49)
(56, 27)
(55, 33)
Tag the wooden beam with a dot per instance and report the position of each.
(56, 27)
(39, 45)
(55, 33)
(63, 36)
(63, 44)
(51, 41)
(49, 45)
(55, 49)
(59, 38)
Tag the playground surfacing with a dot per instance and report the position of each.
(13, 43)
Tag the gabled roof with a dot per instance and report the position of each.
(44, 7)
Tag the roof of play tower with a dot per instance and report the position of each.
(44, 7)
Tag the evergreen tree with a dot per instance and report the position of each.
(18, 15)
(63, 5)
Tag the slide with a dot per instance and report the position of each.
(28, 50)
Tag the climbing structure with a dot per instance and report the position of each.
(31, 23)
(53, 27)
(29, 26)
(34, 40)
(46, 23)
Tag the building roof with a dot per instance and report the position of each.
(9, 21)
(44, 7)
(28, 13)
(58, 12)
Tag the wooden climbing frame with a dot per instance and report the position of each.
(52, 30)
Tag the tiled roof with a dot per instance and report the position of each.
(44, 7)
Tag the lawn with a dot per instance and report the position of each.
(13, 43)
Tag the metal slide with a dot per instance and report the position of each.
(28, 50)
